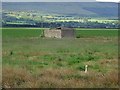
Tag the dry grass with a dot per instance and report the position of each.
(107, 80)
(57, 78)
(0, 74)
(14, 77)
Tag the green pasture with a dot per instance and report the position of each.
(20, 32)
(88, 47)
(24, 48)
(36, 32)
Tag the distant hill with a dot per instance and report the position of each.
(86, 9)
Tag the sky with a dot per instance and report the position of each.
(48, 0)
(60, 0)
(109, 0)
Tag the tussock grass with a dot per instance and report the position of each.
(57, 78)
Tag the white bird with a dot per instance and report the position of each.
(86, 68)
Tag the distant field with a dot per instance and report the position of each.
(21, 32)
(35, 32)
(32, 61)
(97, 32)
(90, 20)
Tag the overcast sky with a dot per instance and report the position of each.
(48, 0)
(59, 0)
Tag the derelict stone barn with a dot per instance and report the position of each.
(60, 32)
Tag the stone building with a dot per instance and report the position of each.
(60, 32)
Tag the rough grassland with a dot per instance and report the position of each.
(35, 62)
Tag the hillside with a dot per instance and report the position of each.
(87, 9)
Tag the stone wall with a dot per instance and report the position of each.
(52, 33)
(68, 33)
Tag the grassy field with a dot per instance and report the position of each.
(31, 61)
